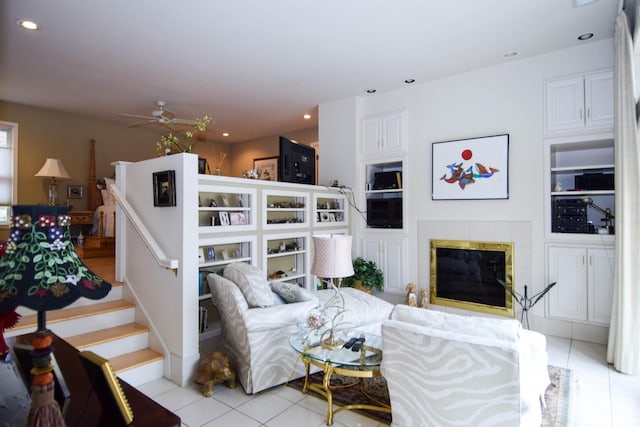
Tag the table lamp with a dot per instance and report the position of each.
(53, 168)
(40, 270)
(608, 218)
(332, 260)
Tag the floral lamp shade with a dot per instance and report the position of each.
(40, 268)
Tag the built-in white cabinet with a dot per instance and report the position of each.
(580, 186)
(286, 258)
(330, 210)
(384, 134)
(285, 209)
(579, 102)
(384, 194)
(584, 288)
(390, 253)
(223, 209)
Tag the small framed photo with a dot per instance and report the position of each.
(164, 188)
(203, 166)
(212, 253)
(237, 218)
(201, 258)
(224, 218)
(75, 191)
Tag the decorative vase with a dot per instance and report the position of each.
(357, 284)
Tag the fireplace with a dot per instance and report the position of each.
(464, 274)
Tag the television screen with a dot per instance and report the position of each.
(296, 162)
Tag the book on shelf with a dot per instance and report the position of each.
(204, 314)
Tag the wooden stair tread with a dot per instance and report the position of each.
(31, 321)
(105, 335)
(134, 359)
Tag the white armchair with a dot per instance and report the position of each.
(257, 339)
(449, 370)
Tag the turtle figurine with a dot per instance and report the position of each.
(215, 368)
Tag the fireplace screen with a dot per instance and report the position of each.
(465, 275)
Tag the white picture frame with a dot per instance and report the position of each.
(224, 218)
(237, 218)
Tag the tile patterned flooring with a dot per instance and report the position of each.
(601, 397)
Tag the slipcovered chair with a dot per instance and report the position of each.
(258, 317)
(450, 370)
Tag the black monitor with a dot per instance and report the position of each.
(296, 162)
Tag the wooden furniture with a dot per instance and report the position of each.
(84, 407)
(98, 245)
(81, 217)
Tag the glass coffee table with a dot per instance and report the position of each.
(361, 364)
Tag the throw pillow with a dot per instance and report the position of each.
(291, 293)
(251, 282)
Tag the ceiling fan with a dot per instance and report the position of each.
(160, 116)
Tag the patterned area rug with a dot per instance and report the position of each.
(555, 414)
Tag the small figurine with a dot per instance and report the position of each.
(424, 298)
(558, 187)
(411, 298)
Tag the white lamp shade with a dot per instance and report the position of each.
(53, 168)
(332, 256)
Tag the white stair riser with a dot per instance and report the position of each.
(114, 295)
(92, 323)
(143, 374)
(120, 346)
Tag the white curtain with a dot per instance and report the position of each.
(624, 332)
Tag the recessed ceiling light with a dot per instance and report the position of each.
(579, 3)
(585, 36)
(370, 91)
(307, 116)
(511, 54)
(27, 25)
(225, 133)
(408, 81)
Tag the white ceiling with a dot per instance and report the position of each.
(257, 66)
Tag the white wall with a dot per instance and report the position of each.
(502, 99)
(168, 299)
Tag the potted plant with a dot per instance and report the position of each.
(366, 274)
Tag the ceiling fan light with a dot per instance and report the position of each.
(27, 25)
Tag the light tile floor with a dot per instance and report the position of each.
(601, 397)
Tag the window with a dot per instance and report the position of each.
(8, 169)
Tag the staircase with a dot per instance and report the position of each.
(106, 327)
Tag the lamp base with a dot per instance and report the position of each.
(332, 342)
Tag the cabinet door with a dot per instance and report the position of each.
(565, 104)
(390, 255)
(394, 261)
(372, 135)
(392, 133)
(600, 273)
(567, 267)
(598, 89)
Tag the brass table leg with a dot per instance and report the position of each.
(326, 381)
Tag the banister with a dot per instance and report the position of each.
(143, 232)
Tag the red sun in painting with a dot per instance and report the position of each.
(467, 154)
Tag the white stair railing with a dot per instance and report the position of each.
(143, 232)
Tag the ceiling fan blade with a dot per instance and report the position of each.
(136, 116)
(168, 114)
(148, 122)
(183, 122)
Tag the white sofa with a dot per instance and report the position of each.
(256, 339)
(450, 370)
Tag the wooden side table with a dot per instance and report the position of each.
(81, 217)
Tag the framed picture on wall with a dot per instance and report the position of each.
(164, 188)
(268, 168)
(471, 169)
